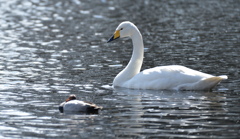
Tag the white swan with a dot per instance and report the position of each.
(158, 78)
(71, 105)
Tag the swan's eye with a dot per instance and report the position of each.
(121, 28)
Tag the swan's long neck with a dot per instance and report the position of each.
(135, 62)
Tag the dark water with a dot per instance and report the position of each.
(53, 48)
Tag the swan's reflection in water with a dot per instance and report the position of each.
(168, 113)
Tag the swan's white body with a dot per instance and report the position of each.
(158, 78)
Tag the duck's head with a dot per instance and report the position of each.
(71, 97)
(125, 29)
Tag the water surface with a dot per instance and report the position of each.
(50, 49)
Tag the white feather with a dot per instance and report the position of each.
(75, 105)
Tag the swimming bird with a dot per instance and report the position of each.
(172, 77)
(72, 105)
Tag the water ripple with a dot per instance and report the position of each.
(50, 49)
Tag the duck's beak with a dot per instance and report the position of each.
(115, 36)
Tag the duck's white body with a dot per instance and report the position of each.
(71, 105)
(158, 78)
(74, 106)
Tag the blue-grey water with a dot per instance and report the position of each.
(52, 48)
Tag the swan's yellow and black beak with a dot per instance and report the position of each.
(115, 36)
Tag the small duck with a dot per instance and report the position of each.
(72, 105)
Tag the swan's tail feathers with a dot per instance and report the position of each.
(205, 84)
(224, 77)
(210, 83)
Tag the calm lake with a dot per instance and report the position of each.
(50, 49)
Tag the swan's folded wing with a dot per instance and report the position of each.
(205, 84)
(173, 77)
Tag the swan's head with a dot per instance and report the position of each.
(125, 29)
(71, 97)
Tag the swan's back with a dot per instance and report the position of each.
(171, 77)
